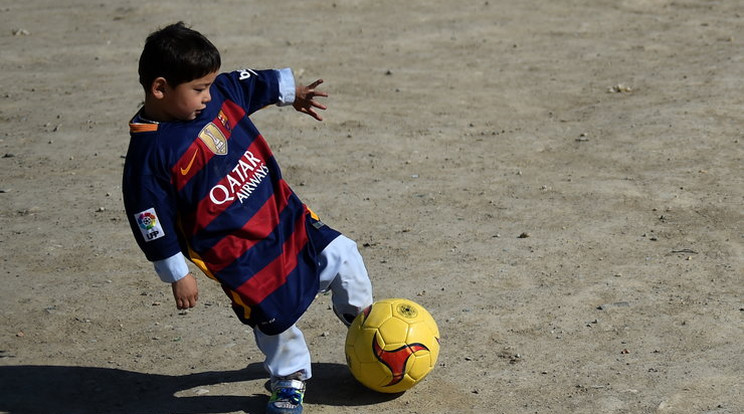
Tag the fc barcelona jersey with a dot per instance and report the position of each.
(212, 189)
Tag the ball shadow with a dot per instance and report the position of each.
(333, 384)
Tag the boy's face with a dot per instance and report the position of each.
(186, 101)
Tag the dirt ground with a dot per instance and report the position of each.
(558, 181)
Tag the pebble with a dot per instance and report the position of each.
(613, 305)
(620, 88)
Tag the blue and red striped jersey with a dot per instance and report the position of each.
(212, 189)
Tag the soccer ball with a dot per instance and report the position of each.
(392, 345)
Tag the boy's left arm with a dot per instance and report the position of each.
(255, 89)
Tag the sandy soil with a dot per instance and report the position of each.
(558, 181)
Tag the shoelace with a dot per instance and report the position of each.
(289, 394)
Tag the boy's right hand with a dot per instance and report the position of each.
(185, 292)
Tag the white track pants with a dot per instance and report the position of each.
(343, 273)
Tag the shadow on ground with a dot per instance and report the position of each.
(43, 389)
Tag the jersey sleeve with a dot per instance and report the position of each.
(256, 89)
(151, 209)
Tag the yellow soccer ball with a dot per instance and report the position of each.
(392, 345)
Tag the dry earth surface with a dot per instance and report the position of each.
(558, 181)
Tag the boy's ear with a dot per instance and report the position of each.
(158, 87)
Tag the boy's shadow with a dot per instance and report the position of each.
(44, 389)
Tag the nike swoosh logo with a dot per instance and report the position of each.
(185, 171)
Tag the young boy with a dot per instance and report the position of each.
(200, 183)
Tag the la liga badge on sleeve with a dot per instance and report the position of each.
(149, 225)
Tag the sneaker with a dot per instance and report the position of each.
(286, 397)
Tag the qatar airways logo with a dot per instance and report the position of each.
(241, 181)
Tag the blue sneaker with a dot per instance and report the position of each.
(286, 397)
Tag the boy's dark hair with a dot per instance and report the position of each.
(178, 54)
